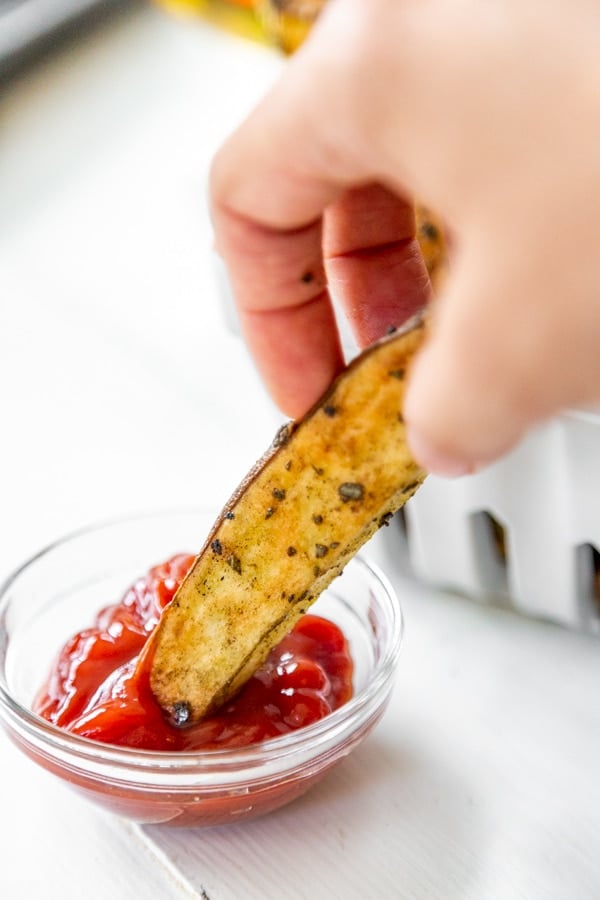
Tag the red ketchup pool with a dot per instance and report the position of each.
(96, 690)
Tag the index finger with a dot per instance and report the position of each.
(291, 162)
(285, 313)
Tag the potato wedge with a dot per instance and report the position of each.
(325, 486)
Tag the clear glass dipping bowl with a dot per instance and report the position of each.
(59, 591)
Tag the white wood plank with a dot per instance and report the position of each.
(483, 780)
(54, 844)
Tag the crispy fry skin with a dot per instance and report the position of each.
(326, 485)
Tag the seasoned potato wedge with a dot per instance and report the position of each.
(325, 486)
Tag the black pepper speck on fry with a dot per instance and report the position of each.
(235, 563)
(283, 435)
(429, 231)
(181, 713)
(351, 490)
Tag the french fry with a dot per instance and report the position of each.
(328, 482)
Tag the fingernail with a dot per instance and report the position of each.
(435, 461)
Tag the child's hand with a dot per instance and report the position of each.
(489, 112)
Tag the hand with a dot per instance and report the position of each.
(490, 113)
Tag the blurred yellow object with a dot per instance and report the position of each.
(282, 23)
(238, 16)
(288, 22)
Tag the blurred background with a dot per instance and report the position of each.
(121, 386)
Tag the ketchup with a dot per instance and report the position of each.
(97, 690)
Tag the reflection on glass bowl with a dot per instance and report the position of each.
(58, 592)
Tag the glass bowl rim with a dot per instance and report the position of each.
(303, 739)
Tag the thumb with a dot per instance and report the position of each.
(483, 377)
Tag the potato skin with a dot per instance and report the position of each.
(327, 483)
(432, 241)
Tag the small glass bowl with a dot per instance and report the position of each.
(59, 591)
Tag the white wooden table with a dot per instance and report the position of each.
(483, 780)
